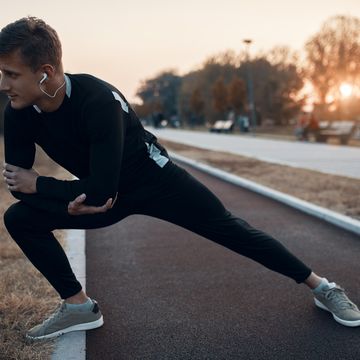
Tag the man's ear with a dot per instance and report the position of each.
(48, 69)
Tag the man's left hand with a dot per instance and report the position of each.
(20, 179)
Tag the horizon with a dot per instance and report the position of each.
(126, 44)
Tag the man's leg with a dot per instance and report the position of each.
(184, 201)
(181, 199)
(32, 231)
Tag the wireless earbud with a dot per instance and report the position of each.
(45, 75)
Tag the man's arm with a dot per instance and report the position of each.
(20, 151)
(105, 130)
(40, 203)
(22, 183)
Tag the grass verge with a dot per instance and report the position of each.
(26, 297)
(337, 193)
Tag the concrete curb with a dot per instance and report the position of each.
(72, 346)
(332, 217)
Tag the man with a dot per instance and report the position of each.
(87, 126)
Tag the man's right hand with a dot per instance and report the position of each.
(76, 207)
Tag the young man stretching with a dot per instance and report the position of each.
(87, 126)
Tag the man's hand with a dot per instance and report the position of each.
(76, 207)
(19, 179)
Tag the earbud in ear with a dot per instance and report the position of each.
(45, 75)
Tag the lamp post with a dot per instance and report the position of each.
(250, 85)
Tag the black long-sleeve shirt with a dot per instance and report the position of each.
(94, 134)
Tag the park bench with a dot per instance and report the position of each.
(342, 130)
(225, 126)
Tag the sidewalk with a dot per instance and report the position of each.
(332, 159)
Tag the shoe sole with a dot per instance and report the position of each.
(79, 327)
(340, 321)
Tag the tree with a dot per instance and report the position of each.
(277, 80)
(161, 92)
(220, 97)
(197, 104)
(333, 57)
(220, 65)
(237, 94)
(284, 84)
(144, 110)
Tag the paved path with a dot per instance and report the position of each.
(169, 294)
(340, 160)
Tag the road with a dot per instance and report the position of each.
(169, 294)
(333, 159)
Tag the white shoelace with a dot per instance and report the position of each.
(338, 296)
(55, 315)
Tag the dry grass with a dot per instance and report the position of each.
(26, 297)
(334, 192)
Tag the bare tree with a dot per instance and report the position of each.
(333, 56)
(197, 103)
(220, 97)
(161, 92)
(277, 80)
(237, 94)
(282, 56)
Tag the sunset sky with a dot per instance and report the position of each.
(126, 42)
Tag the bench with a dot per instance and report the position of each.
(342, 130)
(225, 126)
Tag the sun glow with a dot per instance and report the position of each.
(346, 89)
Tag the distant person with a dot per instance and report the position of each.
(258, 117)
(86, 125)
(158, 117)
(174, 121)
(301, 126)
(244, 123)
(312, 127)
(231, 115)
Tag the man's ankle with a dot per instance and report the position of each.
(313, 281)
(79, 298)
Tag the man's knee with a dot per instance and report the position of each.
(17, 216)
(10, 216)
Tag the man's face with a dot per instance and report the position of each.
(18, 81)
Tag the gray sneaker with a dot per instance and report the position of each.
(64, 320)
(342, 308)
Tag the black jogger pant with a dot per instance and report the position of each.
(167, 193)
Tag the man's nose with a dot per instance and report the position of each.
(4, 85)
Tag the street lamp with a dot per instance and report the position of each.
(250, 84)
